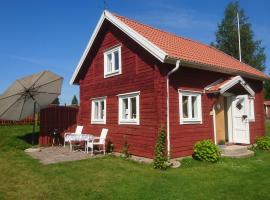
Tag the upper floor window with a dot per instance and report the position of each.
(190, 107)
(98, 114)
(129, 108)
(112, 62)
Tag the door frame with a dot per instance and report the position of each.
(230, 124)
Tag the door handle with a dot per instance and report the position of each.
(244, 116)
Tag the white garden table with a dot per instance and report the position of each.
(78, 138)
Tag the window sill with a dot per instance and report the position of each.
(98, 122)
(129, 122)
(190, 122)
(112, 74)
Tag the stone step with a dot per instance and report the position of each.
(246, 154)
(233, 149)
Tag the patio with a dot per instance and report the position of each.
(52, 155)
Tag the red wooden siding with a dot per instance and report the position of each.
(141, 72)
(62, 118)
(183, 137)
(138, 73)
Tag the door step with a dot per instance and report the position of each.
(236, 151)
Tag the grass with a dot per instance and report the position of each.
(22, 177)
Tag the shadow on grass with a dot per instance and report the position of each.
(29, 137)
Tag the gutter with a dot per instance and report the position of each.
(177, 66)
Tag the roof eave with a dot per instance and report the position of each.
(214, 68)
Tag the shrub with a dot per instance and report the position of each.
(160, 160)
(125, 150)
(263, 143)
(109, 147)
(206, 150)
(221, 142)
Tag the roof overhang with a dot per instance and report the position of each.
(223, 86)
(146, 44)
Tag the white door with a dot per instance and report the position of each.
(240, 122)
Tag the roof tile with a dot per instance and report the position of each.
(191, 51)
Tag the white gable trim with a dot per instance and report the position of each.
(146, 44)
(233, 82)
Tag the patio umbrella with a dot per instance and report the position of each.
(28, 95)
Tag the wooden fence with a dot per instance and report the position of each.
(60, 118)
(28, 120)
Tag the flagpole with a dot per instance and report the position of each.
(239, 37)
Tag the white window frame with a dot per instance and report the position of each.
(251, 109)
(113, 72)
(128, 96)
(190, 120)
(99, 120)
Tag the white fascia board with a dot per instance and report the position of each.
(146, 44)
(233, 82)
(89, 45)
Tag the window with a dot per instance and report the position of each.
(112, 62)
(98, 114)
(190, 107)
(251, 115)
(129, 108)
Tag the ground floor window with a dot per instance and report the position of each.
(129, 112)
(190, 107)
(98, 114)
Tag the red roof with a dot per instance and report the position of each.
(191, 51)
(216, 87)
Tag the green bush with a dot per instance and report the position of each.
(263, 143)
(160, 160)
(206, 150)
(125, 149)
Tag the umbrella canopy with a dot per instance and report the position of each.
(29, 94)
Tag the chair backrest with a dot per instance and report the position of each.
(103, 136)
(79, 130)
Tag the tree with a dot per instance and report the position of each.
(227, 38)
(56, 101)
(74, 101)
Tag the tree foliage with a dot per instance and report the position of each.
(74, 101)
(227, 38)
(56, 101)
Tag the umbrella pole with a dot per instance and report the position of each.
(34, 125)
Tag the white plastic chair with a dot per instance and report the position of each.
(77, 131)
(98, 141)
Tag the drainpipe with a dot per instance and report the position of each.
(177, 66)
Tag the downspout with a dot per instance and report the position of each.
(177, 66)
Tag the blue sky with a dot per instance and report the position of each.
(51, 35)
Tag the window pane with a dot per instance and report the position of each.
(116, 60)
(96, 111)
(102, 110)
(133, 108)
(194, 107)
(185, 106)
(125, 109)
(109, 62)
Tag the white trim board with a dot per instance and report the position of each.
(233, 82)
(142, 41)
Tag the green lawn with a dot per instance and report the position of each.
(21, 177)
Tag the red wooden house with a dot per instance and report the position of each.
(134, 78)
